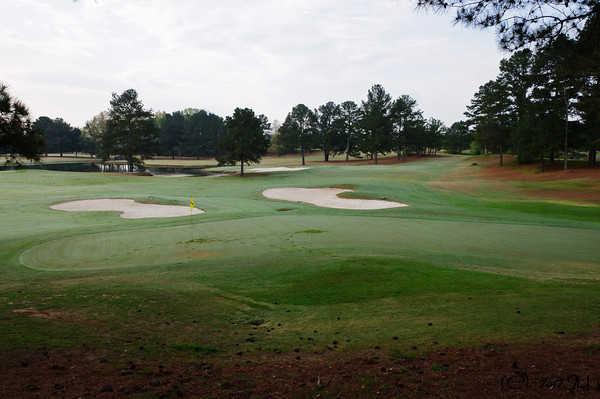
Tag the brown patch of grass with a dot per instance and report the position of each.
(489, 168)
(568, 196)
(342, 186)
(196, 254)
(45, 314)
(197, 241)
(579, 185)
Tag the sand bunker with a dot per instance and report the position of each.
(327, 198)
(277, 169)
(128, 208)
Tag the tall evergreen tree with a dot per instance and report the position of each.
(60, 137)
(329, 129)
(434, 133)
(131, 129)
(522, 22)
(517, 80)
(458, 137)
(416, 134)
(376, 122)
(17, 135)
(297, 131)
(172, 131)
(554, 87)
(489, 113)
(588, 109)
(403, 112)
(244, 140)
(93, 132)
(350, 121)
(202, 133)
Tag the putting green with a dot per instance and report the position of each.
(502, 248)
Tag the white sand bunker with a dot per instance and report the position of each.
(128, 208)
(327, 198)
(277, 169)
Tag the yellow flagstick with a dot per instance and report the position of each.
(192, 206)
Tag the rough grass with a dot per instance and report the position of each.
(453, 268)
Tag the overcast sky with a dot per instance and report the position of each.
(65, 58)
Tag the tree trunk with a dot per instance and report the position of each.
(501, 157)
(348, 149)
(242, 167)
(302, 152)
(326, 154)
(592, 158)
(542, 161)
(376, 158)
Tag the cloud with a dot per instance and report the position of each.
(65, 58)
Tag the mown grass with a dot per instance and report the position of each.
(450, 269)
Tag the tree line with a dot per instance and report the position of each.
(130, 131)
(17, 134)
(378, 126)
(545, 101)
(540, 105)
(191, 132)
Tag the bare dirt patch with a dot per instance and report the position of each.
(532, 172)
(128, 208)
(579, 185)
(328, 198)
(558, 368)
(45, 314)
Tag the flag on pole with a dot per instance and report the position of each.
(192, 203)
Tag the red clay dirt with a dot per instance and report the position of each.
(564, 367)
(521, 180)
(590, 177)
(532, 172)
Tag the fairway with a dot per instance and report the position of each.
(266, 254)
(258, 276)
